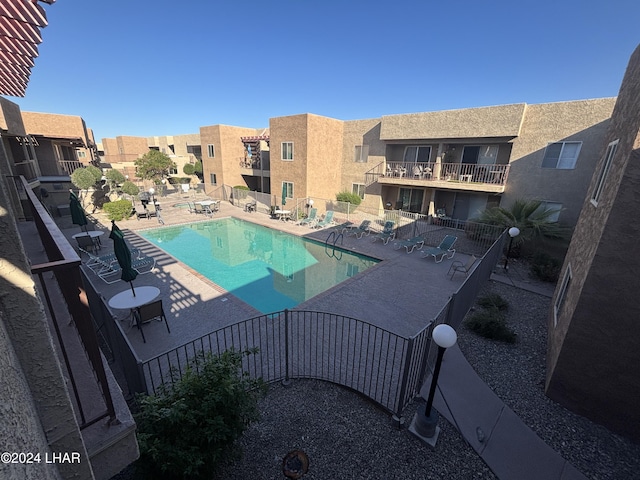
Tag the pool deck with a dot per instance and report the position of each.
(401, 293)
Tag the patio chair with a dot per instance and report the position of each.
(387, 233)
(311, 219)
(361, 230)
(444, 249)
(103, 262)
(342, 227)
(327, 220)
(458, 266)
(197, 208)
(143, 214)
(410, 244)
(112, 272)
(85, 243)
(147, 313)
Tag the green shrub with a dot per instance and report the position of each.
(83, 178)
(349, 197)
(490, 323)
(118, 210)
(185, 430)
(241, 191)
(188, 169)
(493, 300)
(545, 267)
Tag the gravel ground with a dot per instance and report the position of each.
(345, 436)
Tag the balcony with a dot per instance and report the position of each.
(104, 419)
(451, 176)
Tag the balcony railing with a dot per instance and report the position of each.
(68, 166)
(64, 263)
(447, 172)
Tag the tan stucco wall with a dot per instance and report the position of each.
(594, 349)
(124, 149)
(585, 121)
(11, 118)
(499, 121)
(324, 158)
(289, 129)
(27, 330)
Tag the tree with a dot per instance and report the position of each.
(115, 178)
(188, 169)
(130, 188)
(154, 165)
(197, 169)
(95, 172)
(530, 217)
(83, 178)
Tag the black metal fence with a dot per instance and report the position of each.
(292, 344)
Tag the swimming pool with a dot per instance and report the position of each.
(266, 268)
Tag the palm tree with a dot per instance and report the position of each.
(530, 217)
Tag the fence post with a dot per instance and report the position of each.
(397, 419)
(286, 382)
(425, 355)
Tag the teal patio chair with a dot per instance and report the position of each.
(361, 230)
(387, 233)
(410, 244)
(327, 220)
(444, 249)
(311, 219)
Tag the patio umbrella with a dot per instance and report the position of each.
(123, 255)
(78, 217)
(284, 194)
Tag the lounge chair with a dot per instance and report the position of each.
(410, 244)
(311, 219)
(141, 265)
(387, 233)
(103, 262)
(458, 266)
(342, 227)
(444, 249)
(360, 230)
(327, 220)
(197, 208)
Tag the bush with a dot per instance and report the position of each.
(349, 197)
(188, 169)
(185, 430)
(490, 323)
(241, 192)
(83, 178)
(545, 267)
(493, 300)
(118, 210)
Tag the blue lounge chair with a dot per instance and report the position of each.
(445, 248)
(327, 220)
(112, 273)
(410, 244)
(361, 230)
(311, 219)
(387, 233)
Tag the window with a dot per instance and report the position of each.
(417, 154)
(604, 172)
(555, 206)
(173, 170)
(562, 155)
(358, 189)
(361, 153)
(287, 150)
(562, 294)
(212, 177)
(289, 189)
(82, 154)
(211, 150)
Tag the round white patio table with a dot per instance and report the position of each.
(90, 233)
(125, 299)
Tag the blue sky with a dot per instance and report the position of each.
(160, 67)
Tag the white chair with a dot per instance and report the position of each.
(458, 266)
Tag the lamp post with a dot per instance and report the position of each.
(425, 423)
(513, 232)
(309, 205)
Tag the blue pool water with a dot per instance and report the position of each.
(266, 268)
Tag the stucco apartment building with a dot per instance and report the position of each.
(454, 163)
(120, 153)
(594, 339)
